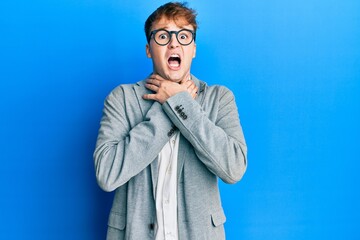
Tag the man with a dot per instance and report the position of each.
(164, 142)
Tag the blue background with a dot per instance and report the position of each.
(294, 67)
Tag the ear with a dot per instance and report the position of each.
(148, 52)
(194, 55)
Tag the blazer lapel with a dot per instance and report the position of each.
(140, 90)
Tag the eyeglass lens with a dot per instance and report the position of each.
(163, 37)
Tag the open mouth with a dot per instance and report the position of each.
(174, 61)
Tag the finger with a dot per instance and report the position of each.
(153, 81)
(192, 86)
(149, 97)
(152, 87)
(187, 83)
(194, 92)
(195, 89)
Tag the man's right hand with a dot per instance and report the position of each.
(165, 89)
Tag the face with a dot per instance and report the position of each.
(172, 61)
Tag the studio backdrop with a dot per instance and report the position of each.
(294, 67)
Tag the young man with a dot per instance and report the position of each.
(164, 142)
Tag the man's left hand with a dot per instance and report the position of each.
(164, 89)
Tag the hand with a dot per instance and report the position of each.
(190, 86)
(165, 89)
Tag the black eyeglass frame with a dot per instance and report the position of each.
(152, 33)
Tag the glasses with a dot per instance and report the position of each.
(162, 36)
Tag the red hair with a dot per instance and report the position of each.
(173, 11)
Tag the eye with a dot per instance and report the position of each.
(163, 36)
(184, 36)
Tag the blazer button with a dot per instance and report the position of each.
(177, 108)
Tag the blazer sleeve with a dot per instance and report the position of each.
(219, 143)
(122, 152)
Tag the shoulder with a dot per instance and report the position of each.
(223, 90)
(212, 89)
(121, 89)
(220, 92)
(127, 90)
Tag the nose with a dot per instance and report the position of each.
(173, 41)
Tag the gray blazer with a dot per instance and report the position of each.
(132, 133)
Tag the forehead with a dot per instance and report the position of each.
(175, 24)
